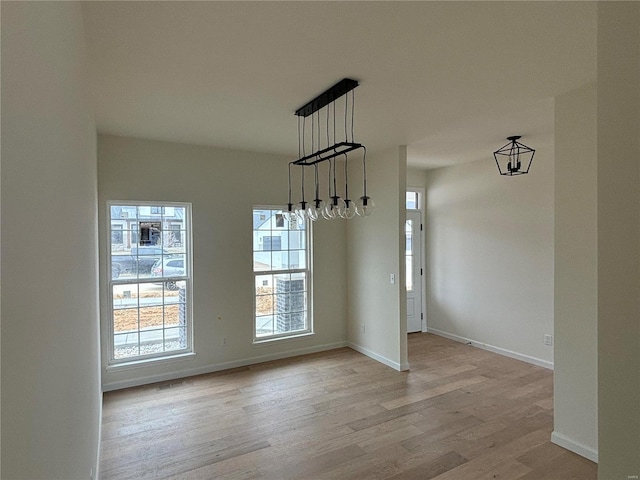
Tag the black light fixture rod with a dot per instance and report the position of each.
(336, 150)
(328, 96)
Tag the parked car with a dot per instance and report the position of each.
(169, 267)
(140, 260)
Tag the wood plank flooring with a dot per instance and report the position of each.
(459, 413)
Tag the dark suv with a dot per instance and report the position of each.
(140, 260)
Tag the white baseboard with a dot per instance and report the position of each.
(189, 372)
(575, 447)
(501, 351)
(371, 354)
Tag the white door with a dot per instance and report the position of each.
(413, 261)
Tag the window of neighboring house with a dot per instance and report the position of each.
(281, 266)
(116, 235)
(150, 282)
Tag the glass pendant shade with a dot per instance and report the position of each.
(301, 210)
(332, 208)
(348, 210)
(365, 206)
(315, 210)
(288, 213)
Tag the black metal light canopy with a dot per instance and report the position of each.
(514, 158)
(326, 147)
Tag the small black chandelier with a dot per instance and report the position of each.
(326, 147)
(514, 158)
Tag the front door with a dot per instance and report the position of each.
(413, 261)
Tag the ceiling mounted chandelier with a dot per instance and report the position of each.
(326, 146)
(514, 158)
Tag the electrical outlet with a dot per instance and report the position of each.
(225, 341)
(362, 328)
(392, 278)
(548, 340)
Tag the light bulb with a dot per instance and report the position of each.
(348, 209)
(365, 206)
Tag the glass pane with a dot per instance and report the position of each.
(169, 266)
(125, 320)
(298, 282)
(173, 239)
(265, 325)
(123, 211)
(125, 296)
(282, 283)
(175, 338)
(150, 294)
(123, 265)
(174, 315)
(176, 212)
(262, 219)
(409, 272)
(151, 341)
(261, 261)
(290, 302)
(412, 200)
(280, 260)
(282, 303)
(297, 240)
(264, 304)
(125, 345)
(264, 284)
(408, 232)
(278, 222)
(297, 259)
(151, 317)
(290, 322)
(296, 224)
(272, 240)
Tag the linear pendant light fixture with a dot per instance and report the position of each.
(326, 147)
(514, 158)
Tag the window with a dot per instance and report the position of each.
(412, 201)
(149, 282)
(116, 234)
(282, 275)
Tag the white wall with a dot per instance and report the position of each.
(375, 249)
(618, 239)
(576, 273)
(489, 255)
(51, 398)
(416, 177)
(222, 185)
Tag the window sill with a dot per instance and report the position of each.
(267, 341)
(150, 361)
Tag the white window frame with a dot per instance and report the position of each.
(187, 277)
(308, 271)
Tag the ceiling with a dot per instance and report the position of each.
(449, 79)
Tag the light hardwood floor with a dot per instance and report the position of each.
(459, 413)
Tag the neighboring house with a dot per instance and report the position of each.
(126, 231)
